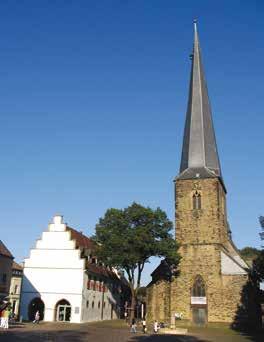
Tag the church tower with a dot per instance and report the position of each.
(212, 275)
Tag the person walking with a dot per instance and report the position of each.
(1, 319)
(37, 317)
(144, 326)
(155, 327)
(133, 326)
(6, 319)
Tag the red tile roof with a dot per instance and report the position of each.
(16, 266)
(82, 240)
(101, 270)
(4, 251)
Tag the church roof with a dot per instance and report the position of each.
(199, 151)
(4, 250)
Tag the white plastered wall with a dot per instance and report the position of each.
(107, 312)
(54, 271)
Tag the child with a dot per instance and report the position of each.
(155, 327)
(144, 326)
(133, 326)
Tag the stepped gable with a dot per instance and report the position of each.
(4, 250)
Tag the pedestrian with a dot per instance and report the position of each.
(1, 319)
(6, 318)
(133, 326)
(144, 326)
(155, 327)
(37, 317)
(125, 315)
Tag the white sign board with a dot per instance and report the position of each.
(198, 300)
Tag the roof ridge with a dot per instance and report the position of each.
(5, 251)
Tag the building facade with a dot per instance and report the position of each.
(15, 288)
(213, 284)
(6, 261)
(63, 280)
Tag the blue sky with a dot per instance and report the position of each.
(93, 102)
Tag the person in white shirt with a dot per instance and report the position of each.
(156, 326)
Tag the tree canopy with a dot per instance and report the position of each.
(258, 265)
(249, 253)
(128, 237)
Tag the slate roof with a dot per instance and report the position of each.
(199, 149)
(4, 250)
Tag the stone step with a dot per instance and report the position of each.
(177, 331)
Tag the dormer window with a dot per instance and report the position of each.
(197, 200)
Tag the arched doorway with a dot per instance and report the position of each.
(199, 302)
(63, 311)
(36, 305)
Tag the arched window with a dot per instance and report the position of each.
(63, 311)
(197, 200)
(198, 289)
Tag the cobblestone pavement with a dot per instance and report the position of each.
(57, 332)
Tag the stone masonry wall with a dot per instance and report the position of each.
(158, 299)
(202, 234)
(207, 225)
(203, 260)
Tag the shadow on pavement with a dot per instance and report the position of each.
(167, 338)
(43, 335)
(254, 336)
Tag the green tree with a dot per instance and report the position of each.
(249, 254)
(128, 238)
(258, 265)
(259, 262)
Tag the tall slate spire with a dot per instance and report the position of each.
(199, 151)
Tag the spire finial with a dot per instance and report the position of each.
(195, 25)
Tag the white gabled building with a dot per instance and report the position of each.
(63, 281)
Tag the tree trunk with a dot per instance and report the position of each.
(133, 303)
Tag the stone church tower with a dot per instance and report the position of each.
(213, 279)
